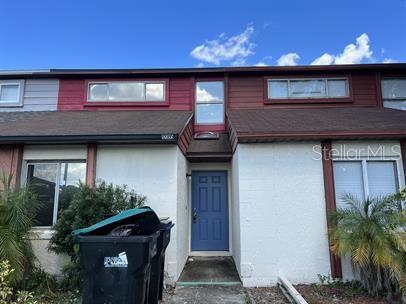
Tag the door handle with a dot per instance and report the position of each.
(194, 215)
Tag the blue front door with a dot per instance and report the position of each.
(209, 211)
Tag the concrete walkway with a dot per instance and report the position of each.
(210, 294)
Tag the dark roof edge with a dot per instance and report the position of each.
(208, 70)
(71, 139)
(389, 134)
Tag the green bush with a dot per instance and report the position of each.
(7, 295)
(88, 206)
(17, 212)
(372, 232)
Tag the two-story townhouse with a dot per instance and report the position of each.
(248, 162)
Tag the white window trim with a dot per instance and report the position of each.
(325, 79)
(400, 182)
(144, 82)
(57, 184)
(20, 98)
(210, 102)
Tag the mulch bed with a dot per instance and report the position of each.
(267, 295)
(337, 294)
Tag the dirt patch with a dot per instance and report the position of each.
(337, 294)
(266, 295)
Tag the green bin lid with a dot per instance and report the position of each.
(111, 220)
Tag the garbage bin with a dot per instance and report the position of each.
(158, 263)
(116, 255)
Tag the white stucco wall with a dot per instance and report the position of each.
(235, 214)
(47, 260)
(159, 173)
(282, 213)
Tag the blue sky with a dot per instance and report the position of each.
(152, 34)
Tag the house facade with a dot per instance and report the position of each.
(248, 162)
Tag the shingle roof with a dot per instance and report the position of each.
(274, 124)
(219, 148)
(87, 125)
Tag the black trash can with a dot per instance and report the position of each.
(116, 255)
(158, 263)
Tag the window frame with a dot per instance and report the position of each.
(391, 99)
(301, 100)
(21, 87)
(222, 81)
(364, 166)
(132, 103)
(57, 184)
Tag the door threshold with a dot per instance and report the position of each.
(209, 253)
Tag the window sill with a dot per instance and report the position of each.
(41, 233)
(308, 100)
(91, 104)
(11, 105)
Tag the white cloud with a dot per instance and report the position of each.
(260, 63)
(204, 95)
(389, 60)
(324, 59)
(288, 59)
(352, 53)
(223, 49)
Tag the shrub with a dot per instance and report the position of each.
(17, 212)
(88, 206)
(6, 291)
(372, 233)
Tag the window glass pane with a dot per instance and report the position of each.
(381, 178)
(209, 113)
(209, 91)
(9, 92)
(98, 91)
(394, 88)
(154, 91)
(278, 89)
(42, 180)
(126, 91)
(307, 88)
(71, 175)
(398, 104)
(337, 88)
(348, 179)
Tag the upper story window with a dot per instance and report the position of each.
(394, 93)
(11, 92)
(209, 102)
(308, 88)
(136, 91)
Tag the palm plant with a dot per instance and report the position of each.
(372, 233)
(17, 212)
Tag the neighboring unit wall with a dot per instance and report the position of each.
(282, 213)
(39, 95)
(250, 92)
(47, 260)
(156, 172)
(10, 162)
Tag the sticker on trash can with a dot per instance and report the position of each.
(119, 261)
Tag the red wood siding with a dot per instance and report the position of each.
(403, 153)
(11, 161)
(329, 190)
(91, 164)
(250, 92)
(72, 97)
(186, 136)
